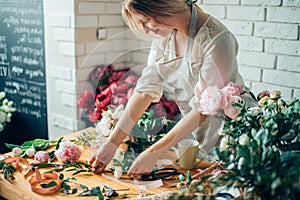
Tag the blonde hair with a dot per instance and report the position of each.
(149, 8)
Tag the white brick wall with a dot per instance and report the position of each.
(219, 11)
(257, 59)
(295, 3)
(289, 63)
(66, 86)
(268, 34)
(283, 14)
(228, 2)
(110, 21)
(86, 21)
(250, 43)
(283, 47)
(276, 30)
(283, 78)
(91, 8)
(64, 122)
(246, 13)
(61, 72)
(250, 73)
(239, 27)
(261, 2)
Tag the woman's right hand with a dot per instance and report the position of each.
(103, 156)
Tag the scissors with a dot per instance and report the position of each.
(163, 173)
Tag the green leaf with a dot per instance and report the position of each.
(42, 165)
(79, 171)
(107, 187)
(58, 143)
(48, 185)
(66, 186)
(84, 193)
(100, 196)
(74, 190)
(95, 191)
(11, 146)
(61, 177)
(84, 187)
(151, 113)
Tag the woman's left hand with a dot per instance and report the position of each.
(144, 163)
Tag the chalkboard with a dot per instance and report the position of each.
(22, 69)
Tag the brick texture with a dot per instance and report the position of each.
(268, 34)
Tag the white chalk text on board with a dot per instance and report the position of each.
(22, 65)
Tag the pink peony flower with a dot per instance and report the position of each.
(230, 109)
(68, 151)
(41, 157)
(232, 89)
(211, 100)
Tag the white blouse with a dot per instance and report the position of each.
(211, 60)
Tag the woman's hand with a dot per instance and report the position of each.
(103, 156)
(144, 163)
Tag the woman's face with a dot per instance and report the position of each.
(161, 26)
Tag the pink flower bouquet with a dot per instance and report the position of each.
(213, 99)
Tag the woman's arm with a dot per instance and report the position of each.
(135, 107)
(145, 162)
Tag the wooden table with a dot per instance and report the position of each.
(19, 188)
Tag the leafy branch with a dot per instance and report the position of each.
(8, 170)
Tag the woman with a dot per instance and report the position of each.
(193, 48)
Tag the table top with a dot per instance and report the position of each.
(19, 188)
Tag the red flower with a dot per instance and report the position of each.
(121, 88)
(103, 99)
(115, 87)
(86, 100)
(99, 75)
(117, 74)
(170, 106)
(159, 110)
(132, 79)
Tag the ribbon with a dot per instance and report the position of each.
(38, 178)
(24, 169)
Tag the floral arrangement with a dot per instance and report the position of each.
(152, 126)
(6, 110)
(213, 99)
(260, 148)
(112, 88)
